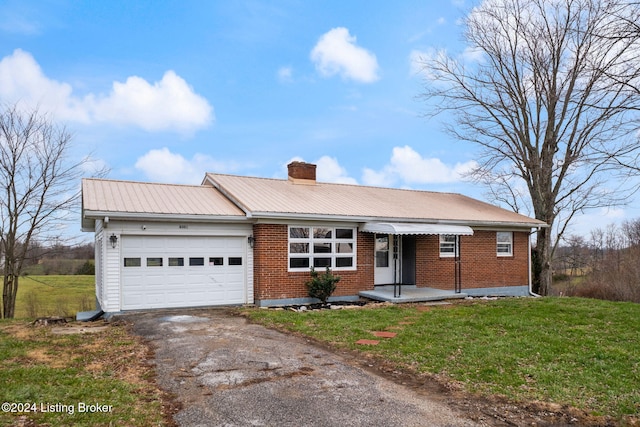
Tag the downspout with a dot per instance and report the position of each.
(533, 294)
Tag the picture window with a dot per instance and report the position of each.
(321, 247)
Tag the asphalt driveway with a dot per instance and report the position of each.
(228, 372)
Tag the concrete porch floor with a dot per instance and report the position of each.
(410, 293)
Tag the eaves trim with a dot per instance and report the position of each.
(362, 219)
(143, 216)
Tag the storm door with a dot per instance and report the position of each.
(384, 265)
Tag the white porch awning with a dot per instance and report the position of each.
(415, 228)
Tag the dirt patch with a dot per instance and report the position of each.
(18, 331)
(101, 352)
(45, 357)
(78, 328)
(489, 410)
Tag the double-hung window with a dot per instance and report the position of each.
(448, 246)
(504, 243)
(321, 247)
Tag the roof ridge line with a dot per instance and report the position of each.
(126, 181)
(341, 184)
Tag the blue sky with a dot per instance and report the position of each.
(165, 91)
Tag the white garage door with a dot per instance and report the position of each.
(170, 271)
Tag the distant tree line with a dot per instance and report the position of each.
(608, 260)
(59, 258)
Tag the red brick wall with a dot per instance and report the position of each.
(272, 280)
(301, 170)
(481, 267)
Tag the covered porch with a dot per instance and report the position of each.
(395, 261)
(409, 293)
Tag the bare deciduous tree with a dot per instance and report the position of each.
(39, 186)
(553, 103)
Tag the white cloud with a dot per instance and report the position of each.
(170, 104)
(373, 178)
(22, 79)
(329, 170)
(584, 224)
(167, 104)
(406, 167)
(93, 167)
(22, 18)
(337, 53)
(409, 167)
(164, 166)
(473, 54)
(418, 60)
(285, 74)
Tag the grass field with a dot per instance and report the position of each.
(568, 351)
(89, 379)
(61, 376)
(40, 296)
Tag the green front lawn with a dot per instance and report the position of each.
(63, 295)
(93, 379)
(569, 351)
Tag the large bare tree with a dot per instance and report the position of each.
(39, 188)
(551, 99)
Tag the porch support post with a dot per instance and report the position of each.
(457, 266)
(395, 267)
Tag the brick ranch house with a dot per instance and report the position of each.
(245, 240)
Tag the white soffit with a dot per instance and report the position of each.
(416, 228)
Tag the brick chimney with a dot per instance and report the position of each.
(302, 173)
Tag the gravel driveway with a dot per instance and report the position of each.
(228, 372)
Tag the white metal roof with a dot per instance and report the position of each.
(127, 199)
(277, 198)
(229, 197)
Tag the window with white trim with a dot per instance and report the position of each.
(382, 250)
(504, 243)
(321, 247)
(448, 246)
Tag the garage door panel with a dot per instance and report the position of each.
(183, 286)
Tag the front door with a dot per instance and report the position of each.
(384, 269)
(408, 260)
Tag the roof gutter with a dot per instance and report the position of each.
(347, 218)
(161, 217)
